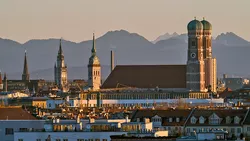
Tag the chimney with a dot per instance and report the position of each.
(112, 61)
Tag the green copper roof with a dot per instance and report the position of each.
(206, 25)
(195, 25)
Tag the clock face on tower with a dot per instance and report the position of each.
(193, 55)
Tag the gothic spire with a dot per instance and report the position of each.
(60, 48)
(25, 75)
(93, 51)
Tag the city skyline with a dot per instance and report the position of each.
(76, 21)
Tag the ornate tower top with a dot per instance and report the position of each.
(194, 25)
(25, 75)
(60, 48)
(93, 59)
(93, 50)
(206, 24)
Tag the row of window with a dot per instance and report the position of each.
(211, 129)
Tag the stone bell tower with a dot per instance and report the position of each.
(195, 59)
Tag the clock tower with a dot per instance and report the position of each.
(94, 69)
(195, 79)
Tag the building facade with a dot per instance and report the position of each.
(195, 61)
(94, 69)
(60, 70)
(211, 74)
(201, 66)
(210, 62)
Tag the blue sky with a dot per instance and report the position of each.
(22, 20)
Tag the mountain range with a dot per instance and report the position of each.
(230, 50)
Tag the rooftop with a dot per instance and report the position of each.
(15, 113)
(147, 76)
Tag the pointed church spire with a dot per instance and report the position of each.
(93, 47)
(60, 48)
(25, 75)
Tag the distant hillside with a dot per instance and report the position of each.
(230, 50)
(165, 37)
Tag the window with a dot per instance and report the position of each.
(193, 43)
(65, 139)
(38, 140)
(23, 129)
(177, 119)
(201, 120)
(236, 120)
(248, 129)
(104, 140)
(238, 130)
(58, 139)
(232, 130)
(20, 139)
(170, 120)
(9, 131)
(193, 120)
(80, 139)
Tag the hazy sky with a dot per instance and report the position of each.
(75, 20)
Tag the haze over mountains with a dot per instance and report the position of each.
(231, 51)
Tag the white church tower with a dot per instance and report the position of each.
(94, 69)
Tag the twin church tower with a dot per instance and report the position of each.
(201, 75)
(201, 67)
(94, 70)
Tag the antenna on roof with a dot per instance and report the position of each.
(195, 17)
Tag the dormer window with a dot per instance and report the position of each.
(236, 120)
(170, 120)
(201, 120)
(193, 120)
(214, 119)
(177, 119)
(228, 120)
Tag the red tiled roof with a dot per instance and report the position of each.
(147, 76)
(15, 114)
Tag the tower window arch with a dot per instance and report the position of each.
(193, 43)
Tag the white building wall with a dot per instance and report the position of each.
(16, 125)
(71, 136)
(51, 104)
